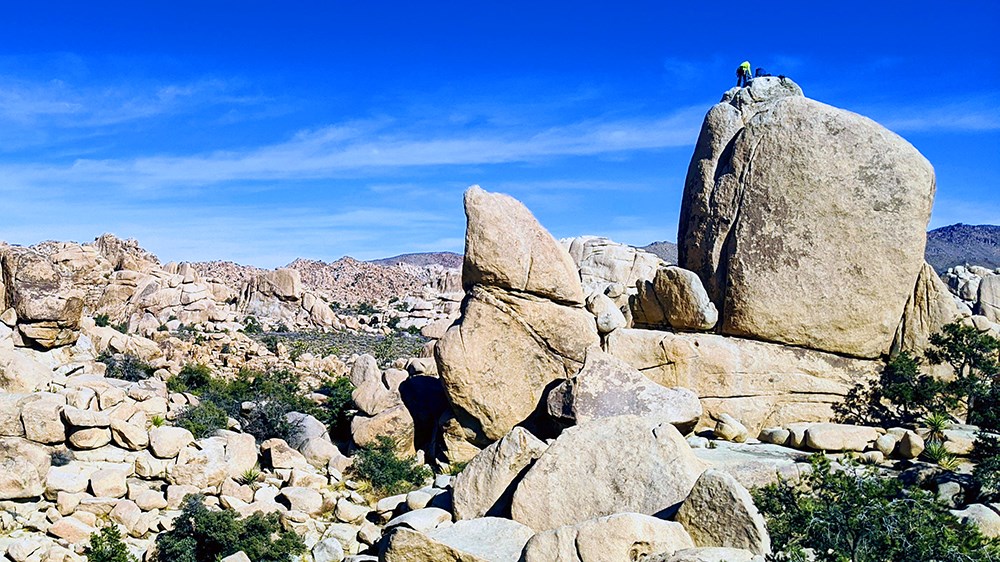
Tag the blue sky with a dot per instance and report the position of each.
(261, 131)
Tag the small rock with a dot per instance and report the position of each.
(729, 428)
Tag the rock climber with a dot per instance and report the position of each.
(743, 74)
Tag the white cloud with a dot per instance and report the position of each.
(366, 145)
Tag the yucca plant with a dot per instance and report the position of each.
(157, 420)
(250, 477)
(936, 453)
(935, 425)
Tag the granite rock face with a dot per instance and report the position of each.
(792, 208)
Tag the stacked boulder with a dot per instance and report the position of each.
(524, 326)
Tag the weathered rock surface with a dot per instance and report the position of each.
(623, 537)
(607, 386)
(791, 207)
(675, 298)
(928, 309)
(761, 384)
(603, 262)
(498, 361)
(720, 512)
(840, 437)
(506, 247)
(486, 485)
(23, 468)
(613, 465)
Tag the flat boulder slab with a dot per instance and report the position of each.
(840, 437)
(407, 545)
(623, 537)
(506, 247)
(708, 554)
(490, 538)
(756, 465)
(762, 384)
(499, 360)
(486, 485)
(24, 467)
(608, 386)
(611, 465)
(791, 208)
(720, 512)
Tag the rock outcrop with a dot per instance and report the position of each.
(524, 325)
(608, 387)
(759, 383)
(613, 465)
(793, 209)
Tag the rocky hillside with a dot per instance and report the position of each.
(961, 244)
(444, 259)
(667, 251)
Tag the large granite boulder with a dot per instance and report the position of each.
(524, 325)
(485, 486)
(603, 262)
(41, 292)
(24, 467)
(720, 512)
(488, 539)
(675, 298)
(807, 223)
(623, 537)
(759, 383)
(929, 308)
(608, 386)
(611, 465)
(506, 247)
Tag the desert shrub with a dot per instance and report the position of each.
(192, 378)
(252, 326)
(986, 455)
(273, 393)
(157, 420)
(203, 420)
(857, 516)
(395, 346)
(60, 457)
(102, 320)
(203, 535)
(365, 308)
(387, 472)
(126, 366)
(338, 409)
(972, 355)
(901, 396)
(106, 546)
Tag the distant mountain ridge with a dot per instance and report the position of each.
(445, 259)
(959, 244)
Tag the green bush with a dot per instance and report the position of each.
(102, 320)
(986, 455)
(338, 409)
(203, 535)
(203, 420)
(854, 515)
(388, 473)
(252, 326)
(107, 546)
(972, 355)
(193, 378)
(274, 393)
(126, 366)
(901, 396)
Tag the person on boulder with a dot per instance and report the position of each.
(743, 75)
(760, 72)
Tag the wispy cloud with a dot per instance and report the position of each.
(366, 145)
(970, 114)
